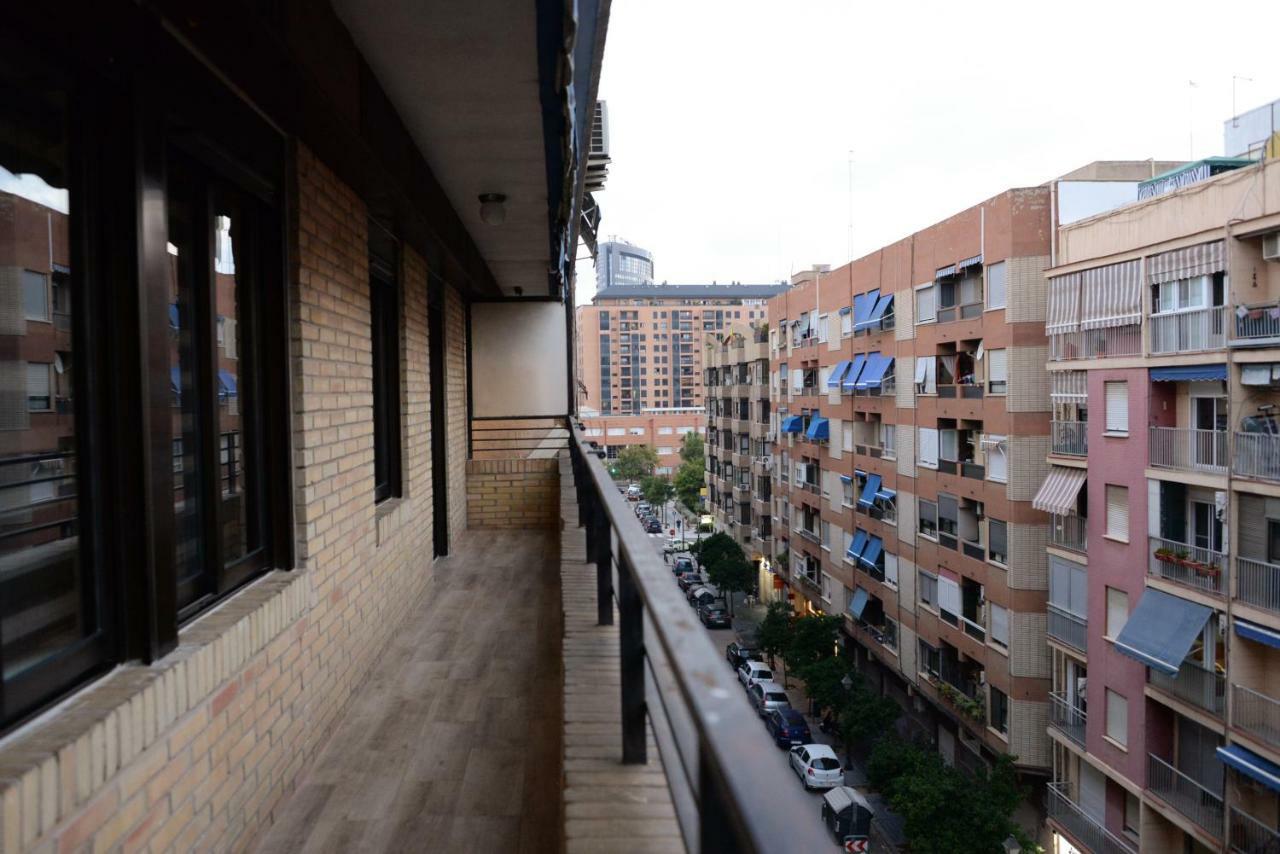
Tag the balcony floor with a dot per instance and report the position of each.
(453, 743)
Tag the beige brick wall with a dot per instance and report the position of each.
(904, 372)
(907, 649)
(905, 439)
(906, 518)
(1028, 732)
(1026, 289)
(1027, 466)
(904, 310)
(1028, 649)
(513, 493)
(193, 751)
(455, 366)
(1028, 379)
(1028, 561)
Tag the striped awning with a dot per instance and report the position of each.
(1064, 304)
(1111, 296)
(975, 261)
(1058, 493)
(1203, 259)
(1069, 386)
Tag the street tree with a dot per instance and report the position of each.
(692, 448)
(657, 490)
(635, 462)
(775, 630)
(713, 548)
(689, 481)
(813, 638)
(731, 573)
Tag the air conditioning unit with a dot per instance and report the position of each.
(1271, 246)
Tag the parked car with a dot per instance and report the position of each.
(642, 508)
(653, 526)
(739, 653)
(788, 727)
(690, 580)
(767, 695)
(816, 765)
(704, 595)
(683, 565)
(715, 617)
(633, 492)
(749, 672)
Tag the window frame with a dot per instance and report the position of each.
(386, 339)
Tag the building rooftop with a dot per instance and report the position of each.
(712, 291)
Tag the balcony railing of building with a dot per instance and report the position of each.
(1192, 566)
(1069, 532)
(1257, 323)
(1194, 684)
(1096, 343)
(1258, 583)
(1257, 455)
(673, 678)
(1068, 628)
(1070, 438)
(1185, 795)
(1255, 713)
(1068, 719)
(1186, 331)
(1086, 829)
(1247, 835)
(1188, 449)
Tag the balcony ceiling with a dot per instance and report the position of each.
(463, 75)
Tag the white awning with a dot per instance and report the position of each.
(1111, 296)
(1203, 259)
(1064, 304)
(1058, 493)
(1069, 386)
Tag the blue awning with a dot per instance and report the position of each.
(873, 373)
(173, 315)
(846, 310)
(1161, 630)
(862, 318)
(859, 603)
(882, 305)
(869, 491)
(1254, 632)
(844, 478)
(851, 377)
(872, 554)
(856, 545)
(791, 424)
(175, 379)
(859, 473)
(886, 495)
(1251, 765)
(227, 383)
(1189, 373)
(833, 381)
(819, 429)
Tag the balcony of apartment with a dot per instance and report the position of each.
(1188, 449)
(958, 370)
(1069, 438)
(1256, 714)
(1256, 325)
(1189, 330)
(1069, 532)
(1247, 835)
(1189, 546)
(958, 448)
(1067, 628)
(1089, 833)
(1197, 684)
(1186, 795)
(1067, 718)
(1108, 342)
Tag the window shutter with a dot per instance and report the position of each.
(1117, 611)
(928, 447)
(1117, 407)
(1117, 512)
(797, 378)
(949, 445)
(925, 307)
(949, 596)
(996, 285)
(891, 568)
(998, 366)
(999, 624)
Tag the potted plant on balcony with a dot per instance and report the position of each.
(1164, 554)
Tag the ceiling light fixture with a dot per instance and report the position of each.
(493, 208)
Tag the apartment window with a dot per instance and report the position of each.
(384, 321)
(1118, 512)
(930, 658)
(825, 532)
(927, 588)
(822, 331)
(1132, 815)
(846, 324)
(997, 459)
(927, 453)
(890, 569)
(617, 431)
(35, 295)
(1117, 718)
(996, 285)
(950, 606)
(847, 496)
(1117, 397)
(1000, 625)
(888, 440)
(594, 431)
(39, 397)
(926, 304)
(928, 519)
(999, 712)
(997, 371)
(1117, 611)
(998, 546)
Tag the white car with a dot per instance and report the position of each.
(817, 766)
(752, 672)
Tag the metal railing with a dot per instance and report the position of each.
(1202, 569)
(1258, 321)
(1184, 331)
(1070, 438)
(1195, 684)
(1185, 795)
(1096, 343)
(1068, 719)
(1258, 583)
(1069, 532)
(1067, 627)
(1247, 835)
(1087, 830)
(1257, 455)
(674, 678)
(1255, 713)
(1188, 449)
(537, 437)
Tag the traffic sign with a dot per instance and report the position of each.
(858, 845)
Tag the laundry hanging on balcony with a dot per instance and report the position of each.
(1203, 259)
(1264, 374)
(1251, 765)
(1058, 493)
(1160, 631)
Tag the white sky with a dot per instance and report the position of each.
(731, 121)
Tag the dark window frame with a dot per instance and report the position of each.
(385, 311)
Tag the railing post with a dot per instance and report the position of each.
(716, 826)
(603, 534)
(631, 654)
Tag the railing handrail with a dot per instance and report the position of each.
(1060, 791)
(733, 810)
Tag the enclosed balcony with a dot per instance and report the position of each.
(1068, 719)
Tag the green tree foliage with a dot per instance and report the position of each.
(692, 448)
(713, 548)
(775, 630)
(813, 638)
(867, 716)
(635, 462)
(824, 681)
(657, 490)
(731, 573)
(689, 480)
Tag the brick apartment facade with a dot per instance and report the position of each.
(184, 621)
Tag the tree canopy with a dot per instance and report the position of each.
(692, 448)
(657, 490)
(635, 462)
(775, 629)
(689, 482)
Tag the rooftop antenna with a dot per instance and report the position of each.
(1235, 115)
(1191, 123)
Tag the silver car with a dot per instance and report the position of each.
(767, 696)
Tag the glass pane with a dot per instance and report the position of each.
(47, 602)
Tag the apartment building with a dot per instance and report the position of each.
(1164, 547)
(739, 442)
(641, 356)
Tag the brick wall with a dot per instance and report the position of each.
(513, 493)
(455, 369)
(193, 752)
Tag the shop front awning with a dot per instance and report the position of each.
(837, 374)
(856, 545)
(1189, 373)
(791, 424)
(871, 553)
(869, 491)
(1161, 630)
(1254, 632)
(1058, 493)
(819, 429)
(855, 371)
(1251, 765)
(858, 603)
(873, 373)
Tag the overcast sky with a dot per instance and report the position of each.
(731, 121)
